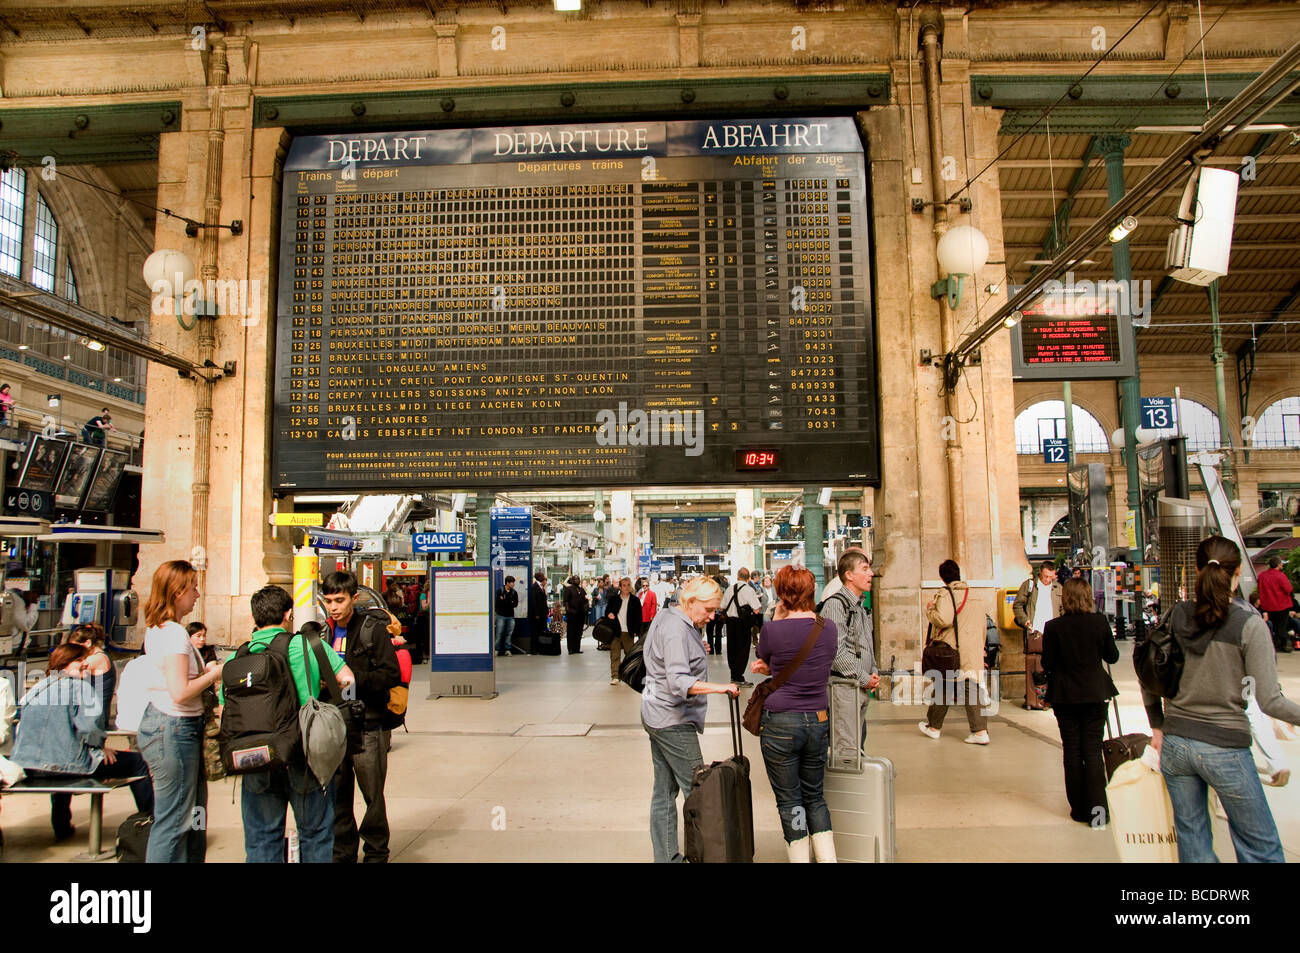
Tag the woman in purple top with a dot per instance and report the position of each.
(796, 729)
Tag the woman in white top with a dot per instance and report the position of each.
(171, 732)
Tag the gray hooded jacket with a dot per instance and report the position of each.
(1223, 668)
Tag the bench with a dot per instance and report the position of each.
(77, 785)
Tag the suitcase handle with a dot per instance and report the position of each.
(1114, 704)
(733, 709)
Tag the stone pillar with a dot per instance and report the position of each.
(759, 561)
(814, 529)
(29, 225)
(243, 552)
(622, 535)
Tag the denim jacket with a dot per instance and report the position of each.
(59, 727)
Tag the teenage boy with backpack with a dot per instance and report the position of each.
(363, 641)
(266, 794)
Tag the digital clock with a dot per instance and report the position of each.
(758, 459)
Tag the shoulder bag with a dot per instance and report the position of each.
(1159, 660)
(352, 711)
(940, 657)
(753, 719)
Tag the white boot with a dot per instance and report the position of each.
(824, 847)
(798, 851)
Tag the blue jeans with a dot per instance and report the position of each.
(266, 796)
(505, 628)
(675, 754)
(173, 749)
(794, 752)
(1189, 766)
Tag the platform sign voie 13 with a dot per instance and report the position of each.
(1056, 450)
(1078, 331)
(608, 304)
(1158, 413)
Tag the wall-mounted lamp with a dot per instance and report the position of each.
(1121, 231)
(95, 345)
(1012, 319)
(961, 251)
(598, 515)
(758, 513)
(54, 400)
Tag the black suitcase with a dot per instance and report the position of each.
(719, 811)
(133, 838)
(547, 643)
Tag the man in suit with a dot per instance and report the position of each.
(538, 609)
(1037, 603)
(624, 610)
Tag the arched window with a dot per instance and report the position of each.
(1278, 426)
(46, 247)
(1200, 426)
(70, 285)
(1047, 419)
(13, 191)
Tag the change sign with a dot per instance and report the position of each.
(438, 542)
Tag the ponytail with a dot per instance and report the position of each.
(1217, 561)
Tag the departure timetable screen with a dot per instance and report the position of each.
(1072, 336)
(602, 304)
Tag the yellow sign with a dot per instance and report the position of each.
(299, 519)
(1130, 528)
(405, 567)
(1295, 531)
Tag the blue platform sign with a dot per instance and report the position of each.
(438, 542)
(324, 539)
(1056, 450)
(511, 545)
(1158, 413)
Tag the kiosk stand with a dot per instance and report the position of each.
(460, 636)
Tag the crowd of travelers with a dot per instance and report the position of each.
(1203, 733)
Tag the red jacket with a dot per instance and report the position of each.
(649, 604)
(1274, 590)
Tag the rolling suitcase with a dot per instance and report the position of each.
(1119, 747)
(719, 811)
(859, 789)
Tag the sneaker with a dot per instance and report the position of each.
(614, 681)
(978, 738)
(928, 731)
(1279, 778)
(507, 654)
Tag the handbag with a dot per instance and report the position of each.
(214, 768)
(1158, 659)
(353, 712)
(1141, 815)
(753, 720)
(939, 656)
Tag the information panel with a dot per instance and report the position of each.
(690, 535)
(1074, 333)
(617, 304)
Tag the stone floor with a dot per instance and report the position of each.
(556, 768)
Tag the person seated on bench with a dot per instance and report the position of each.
(60, 735)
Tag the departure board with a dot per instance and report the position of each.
(1072, 332)
(609, 304)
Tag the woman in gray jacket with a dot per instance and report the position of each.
(673, 706)
(1203, 734)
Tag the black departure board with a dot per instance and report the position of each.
(610, 304)
(1074, 331)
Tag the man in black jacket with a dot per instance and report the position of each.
(538, 610)
(367, 649)
(507, 600)
(624, 610)
(575, 613)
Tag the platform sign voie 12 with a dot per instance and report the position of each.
(1080, 330)
(636, 303)
(1056, 450)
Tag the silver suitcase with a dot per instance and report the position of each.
(859, 790)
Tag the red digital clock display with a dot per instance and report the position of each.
(758, 459)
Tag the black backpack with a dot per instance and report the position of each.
(1158, 659)
(259, 723)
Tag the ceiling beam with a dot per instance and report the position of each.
(1227, 159)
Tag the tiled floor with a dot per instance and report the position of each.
(472, 781)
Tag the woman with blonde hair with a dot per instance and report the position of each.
(673, 705)
(171, 732)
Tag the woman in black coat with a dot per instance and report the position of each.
(1078, 686)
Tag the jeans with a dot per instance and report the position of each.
(173, 749)
(738, 645)
(505, 628)
(794, 753)
(266, 796)
(128, 764)
(621, 646)
(1189, 766)
(675, 754)
(369, 770)
(1085, 769)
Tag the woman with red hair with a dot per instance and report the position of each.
(171, 730)
(795, 726)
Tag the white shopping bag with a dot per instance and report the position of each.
(1141, 815)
